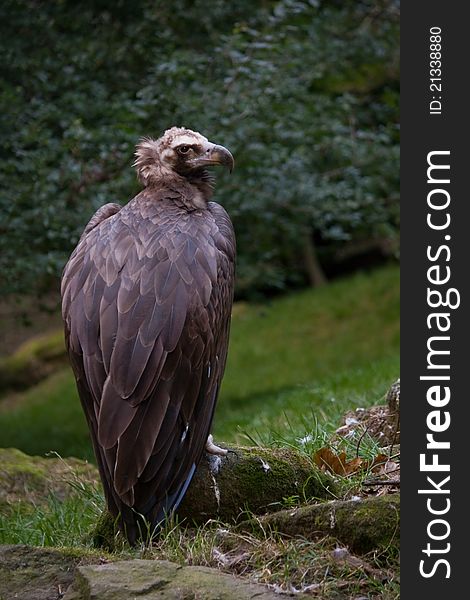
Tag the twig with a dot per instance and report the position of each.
(370, 482)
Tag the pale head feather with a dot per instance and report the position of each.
(152, 157)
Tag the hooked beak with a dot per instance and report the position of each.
(214, 155)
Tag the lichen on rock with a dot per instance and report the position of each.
(39, 573)
(155, 579)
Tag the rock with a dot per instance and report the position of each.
(28, 573)
(38, 573)
(159, 579)
(362, 524)
(29, 479)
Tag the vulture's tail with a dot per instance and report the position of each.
(142, 524)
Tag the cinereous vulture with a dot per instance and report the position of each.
(146, 301)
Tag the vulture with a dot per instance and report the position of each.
(146, 302)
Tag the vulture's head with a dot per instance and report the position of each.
(179, 151)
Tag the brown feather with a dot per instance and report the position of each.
(147, 298)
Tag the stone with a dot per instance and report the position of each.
(28, 573)
(160, 579)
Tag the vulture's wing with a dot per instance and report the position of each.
(147, 298)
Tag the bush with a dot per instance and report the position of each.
(305, 93)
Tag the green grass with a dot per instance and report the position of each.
(294, 411)
(48, 417)
(290, 564)
(55, 523)
(295, 366)
(312, 335)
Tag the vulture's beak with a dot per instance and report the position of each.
(214, 154)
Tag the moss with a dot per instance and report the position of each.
(372, 524)
(21, 477)
(271, 475)
(364, 525)
(47, 346)
(254, 479)
(104, 533)
(14, 461)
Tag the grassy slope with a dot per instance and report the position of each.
(316, 352)
(305, 357)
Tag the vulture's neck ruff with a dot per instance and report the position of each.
(178, 161)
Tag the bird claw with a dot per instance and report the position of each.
(211, 448)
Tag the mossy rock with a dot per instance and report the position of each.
(363, 524)
(105, 534)
(29, 479)
(39, 573)
(158, 579)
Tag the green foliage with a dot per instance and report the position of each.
(305, 93)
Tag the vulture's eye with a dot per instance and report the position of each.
(184, 149)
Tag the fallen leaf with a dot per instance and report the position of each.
(327, 460)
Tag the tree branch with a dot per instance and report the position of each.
(253, 479)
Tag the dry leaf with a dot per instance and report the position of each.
(327, 460)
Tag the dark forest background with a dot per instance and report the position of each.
(304, 93)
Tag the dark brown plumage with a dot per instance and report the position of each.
(146, 302)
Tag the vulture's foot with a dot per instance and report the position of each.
(211, 448)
